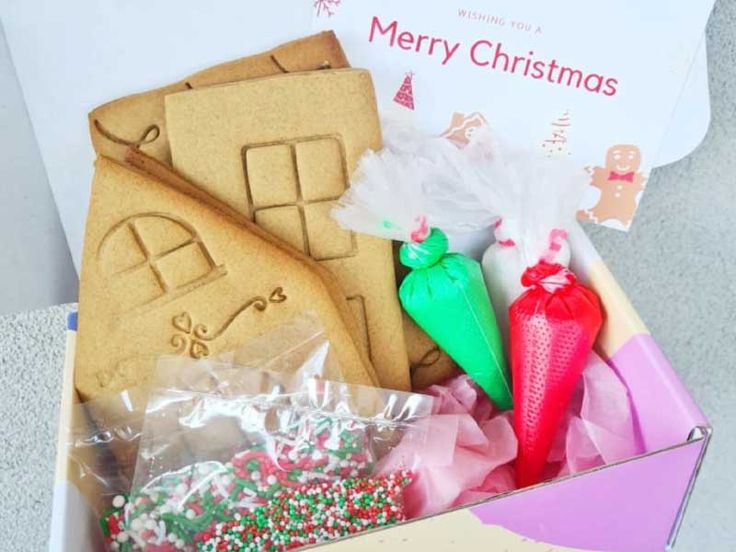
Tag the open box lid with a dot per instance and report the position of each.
(691, 119)
(598, 83)
(72, 56)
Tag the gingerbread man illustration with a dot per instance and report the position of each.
(620, 183)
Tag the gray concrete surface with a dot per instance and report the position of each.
(31, 357)
(677, 265)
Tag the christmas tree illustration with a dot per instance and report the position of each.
(557, 144)
(405, 94)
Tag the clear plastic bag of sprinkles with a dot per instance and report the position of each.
(209, 464)
(105, 433)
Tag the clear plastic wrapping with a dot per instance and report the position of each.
(105, 433)
(299, 347)
(409, 187)
(275, 362)
(535, 198)
(103, 447)
(206, 459)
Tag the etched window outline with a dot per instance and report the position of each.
(300, 202)
(168, 292)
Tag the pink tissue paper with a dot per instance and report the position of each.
(470, 455)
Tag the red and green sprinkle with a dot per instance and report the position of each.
(170, 510)
(312, 514)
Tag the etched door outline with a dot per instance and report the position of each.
(291, 185)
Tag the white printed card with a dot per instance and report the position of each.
(595, 81)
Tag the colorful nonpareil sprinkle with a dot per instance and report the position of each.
(175, 506)
(112, 522)
(312, 514)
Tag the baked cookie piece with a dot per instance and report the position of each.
(430, 365)
(166, 273)
(139, 121)
(280, 150)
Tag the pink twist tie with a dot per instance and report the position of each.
(421, 232)
(508, 242)
(557, 236)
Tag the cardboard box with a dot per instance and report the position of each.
(631, 506)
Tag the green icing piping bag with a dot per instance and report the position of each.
(446, 296)
(399, 193)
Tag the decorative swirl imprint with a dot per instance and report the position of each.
(194, 337)
(432, 356)
(150, 134)
(324, 65)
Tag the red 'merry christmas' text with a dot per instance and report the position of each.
(494, 57)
